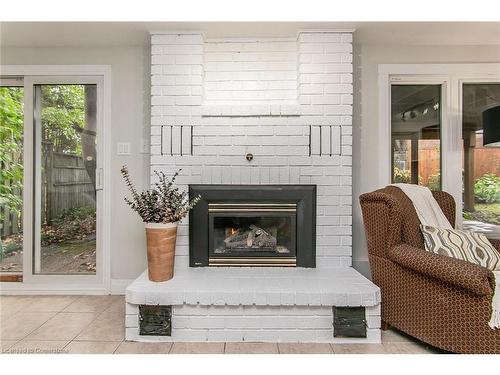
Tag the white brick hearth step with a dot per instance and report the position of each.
(259, 304)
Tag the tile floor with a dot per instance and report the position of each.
(94, 324)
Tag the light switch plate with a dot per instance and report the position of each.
(123, 148)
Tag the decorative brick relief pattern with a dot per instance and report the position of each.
(325, 140)
(200, 84)
(176, 81)
(176, 140)
(250, 71)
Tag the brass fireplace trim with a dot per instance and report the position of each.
(299, 199)
(253, 262)
(252, 207)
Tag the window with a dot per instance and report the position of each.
(481, 165)
(444, 150)
(416, 134)
(65, 175)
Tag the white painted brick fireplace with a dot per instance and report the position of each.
(288, 102)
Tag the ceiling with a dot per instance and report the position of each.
(68, 34)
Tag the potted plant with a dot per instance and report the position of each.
(161, 208)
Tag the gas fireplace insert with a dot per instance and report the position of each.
(253, 225)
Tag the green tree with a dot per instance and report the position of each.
(63, 116)
(11, 140)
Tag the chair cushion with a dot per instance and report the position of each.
(460, 244)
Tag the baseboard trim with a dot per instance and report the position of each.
(9, 288)
(118, 286)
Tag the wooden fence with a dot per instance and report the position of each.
(12, 221)
(485, 161)
(65, 184)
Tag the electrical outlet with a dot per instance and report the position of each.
(123, 148)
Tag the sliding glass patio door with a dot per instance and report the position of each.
(63, 179)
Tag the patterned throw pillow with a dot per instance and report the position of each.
(460, 244)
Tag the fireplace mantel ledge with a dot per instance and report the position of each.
(257, 286)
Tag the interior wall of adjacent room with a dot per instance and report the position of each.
(365, 121)
(130, 116)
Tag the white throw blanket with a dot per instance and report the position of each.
(430, 213)
(495, 303)
(428, 210)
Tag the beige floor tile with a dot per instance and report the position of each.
(89, 304)
(251, 348)
(108, 326)
(117, 304)
(301, 348)
(393, 336)
(112, 312)
(63, 326)
(130, 347)
(50, 303)
(10, 305)
(39, 347)
(197, 348)
(358, 348)
(407, 348)
(5, 345)
(21, 324)
(92, 347)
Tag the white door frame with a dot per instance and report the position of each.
(452, 76)
(75, 284)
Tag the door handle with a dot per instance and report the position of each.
(99, 179)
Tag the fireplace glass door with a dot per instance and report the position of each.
(246, 234)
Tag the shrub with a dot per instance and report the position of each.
(434, 181)
(487, 188)
(401, 176)
(74, 224)
(467, 215)
(163, 203)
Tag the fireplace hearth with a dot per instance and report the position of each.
(245, 225)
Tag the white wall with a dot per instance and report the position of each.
(130, 122)
(365, 120)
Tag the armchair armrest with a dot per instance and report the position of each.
(460, 273)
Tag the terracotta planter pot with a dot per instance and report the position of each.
(161, 250)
